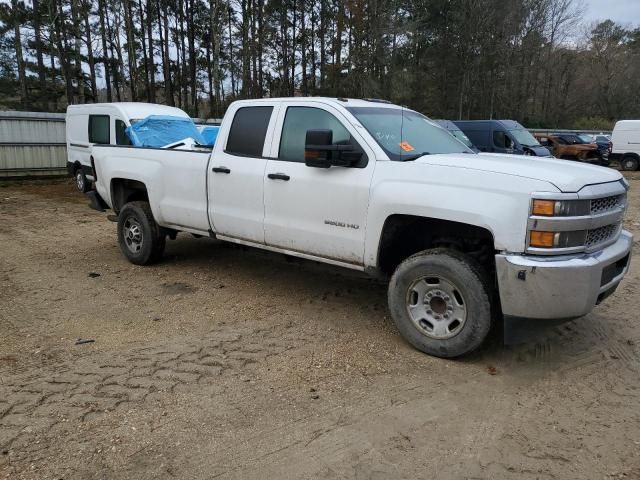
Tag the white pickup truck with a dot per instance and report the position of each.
(371, 186)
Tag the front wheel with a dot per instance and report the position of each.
(139, 236)
(440, 302)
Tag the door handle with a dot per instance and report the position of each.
(279, 176)
(220, 170)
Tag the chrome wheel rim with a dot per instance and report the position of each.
(79, 181)
(132, 233)
(436, 307)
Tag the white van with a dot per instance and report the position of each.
(626, 144)
(102, 123)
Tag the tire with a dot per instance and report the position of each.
(441, 283)
(629, 164)
(82, 183)
(139, 236)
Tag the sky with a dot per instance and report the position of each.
(626, 12)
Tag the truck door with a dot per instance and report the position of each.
(236, 173)
(319, 211)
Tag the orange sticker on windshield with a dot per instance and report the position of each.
(406, 146)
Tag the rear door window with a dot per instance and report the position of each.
(121, 136)
(99, 129)
(248, 131)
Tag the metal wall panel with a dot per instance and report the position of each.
(27, 160)
(31, 127)
(32, 143)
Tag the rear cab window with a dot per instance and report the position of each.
(99, 131)
(248, 131)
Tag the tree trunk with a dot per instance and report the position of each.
(90, 59)
(233, 80)
(37, 34)
(105, 52)
(145, 59)
(214, 65)
(22, 78)
(115, 66)
(192, 57)
(56, 14)
(79, 74)
(152, 65)
(303, 49)
(131, 50)
(261, 41)
(166, 61)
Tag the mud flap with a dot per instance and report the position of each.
(96, 202)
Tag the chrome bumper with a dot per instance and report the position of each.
(561, 287)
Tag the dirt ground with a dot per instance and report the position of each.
(227, 362)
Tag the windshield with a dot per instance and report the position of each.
(524, 137)
(405, 134)
(459, 134)
(585, 138)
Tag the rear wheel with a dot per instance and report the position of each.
(139, 236)
(82, 183)
(440, 302)
(629, 164)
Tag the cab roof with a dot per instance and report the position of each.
(344, 102)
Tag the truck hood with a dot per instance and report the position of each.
(566, 175)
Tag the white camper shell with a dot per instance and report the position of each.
(102, 124)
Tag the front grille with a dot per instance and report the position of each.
(606, 204)
(601, 235)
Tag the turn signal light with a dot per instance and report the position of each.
(542, 239)
(545, 208)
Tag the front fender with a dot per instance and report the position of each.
(494, 201)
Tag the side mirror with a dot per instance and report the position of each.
(320, 152)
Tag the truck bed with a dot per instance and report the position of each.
(176, 181)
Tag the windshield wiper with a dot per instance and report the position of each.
(415, 156)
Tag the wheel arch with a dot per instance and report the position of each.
(124, 190)
(404, 235)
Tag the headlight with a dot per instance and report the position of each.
(565, 223)
(560, 208)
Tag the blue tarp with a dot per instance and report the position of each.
(210, 134)
(161, 130)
